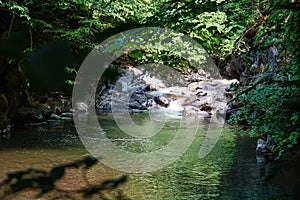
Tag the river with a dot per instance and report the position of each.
(229, 171)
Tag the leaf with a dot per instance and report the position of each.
(136, 54)
(89, 161)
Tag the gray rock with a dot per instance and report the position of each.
(201, 93)
(54, 116)
(192, 111)
(261, 147)
(163, 101)
(260, 158)
(272, 62)
(265, 147)
(152, 87)
(46, 112)
(68, 115)
(137, 106)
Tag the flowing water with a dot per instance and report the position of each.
(229, 171)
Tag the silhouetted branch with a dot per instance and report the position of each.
(44, 182)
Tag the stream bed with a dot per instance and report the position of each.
(229, 171)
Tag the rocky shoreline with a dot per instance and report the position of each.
(199, 96)
(52, 106)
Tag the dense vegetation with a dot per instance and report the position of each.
(44, 42)
(270, 104)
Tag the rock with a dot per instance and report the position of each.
(149, 103)
(260, 158)
(196, 77)
(232, 105)
(196, 85)
(201, 93)
(82, 107)
(68, 115)
(138, 101)
(134, 70)
(57, 102)
(46, 112)
(5, 134)
(152, 87)
(29, 115)
(264, 147)
(163, 101)
(206, 107)
(137, 106)
(138, 97)
(272, 61)
(67, 106)
(261, 147)
(192, 111)
(54, 116)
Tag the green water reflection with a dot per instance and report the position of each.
(230, 171)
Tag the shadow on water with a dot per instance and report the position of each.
(248, 179)
(52, 134)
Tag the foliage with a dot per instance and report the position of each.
(280, 28)
(266, 110)
(83, 24)
(215, 24)
(44, 182)
(80, 23)
(270, 106)
(161, 57)
(267, 107)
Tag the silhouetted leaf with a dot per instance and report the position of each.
(105, 185)
(89, 161)
(57, 173)
(22, 185)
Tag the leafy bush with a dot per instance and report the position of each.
(215, 24)
(270, 104)
(266, 109)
